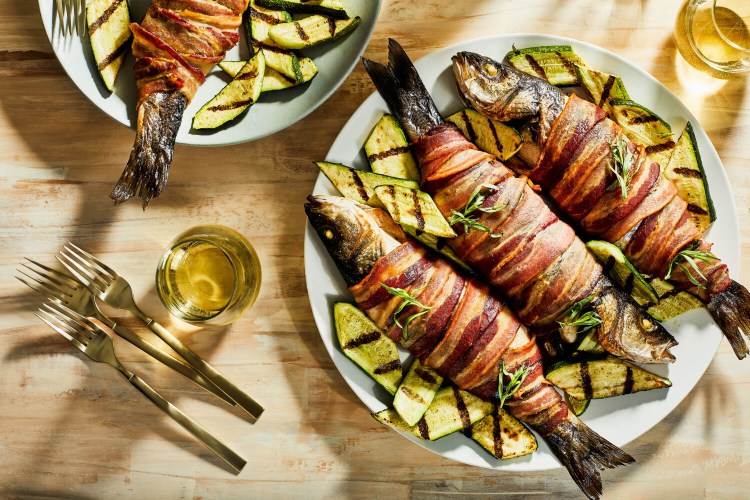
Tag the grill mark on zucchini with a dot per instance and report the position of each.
(588, 391)
(463, 412)
(629, 283)
(264, 17)
(412, 395)
(536, 67)
(498, 143)
(671, 293)
(301, 32)
(469, 129)
(695, 209)
(231, 105)
(360, 186)
(644, 119)
(332, 26)
(688, 172)
(606, 90)
(418, 211)
(567, 64)
(387, 153)
(658, 148)
(425, 375)
(497, 434)
(392, 193)
(388, 367)
(424, 430)
(362, 340)
(627, 387)
(104, 17)
(120, 50)
(247, 76)
(609, 265)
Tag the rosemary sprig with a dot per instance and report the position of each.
(625, 164)
(407, 300)
(516, 380)
(575, 316)
(690, 256)
(475, 202)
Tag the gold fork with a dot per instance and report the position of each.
(114, 290)
(63, 289)
(71, 16)
(95, 343)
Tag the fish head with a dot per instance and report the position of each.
(355, 235)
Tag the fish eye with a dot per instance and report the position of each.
(490, 69)
(329, 234)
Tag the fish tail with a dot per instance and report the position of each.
(731, 311)
(403, 90)
(145, 176)
(584, 453)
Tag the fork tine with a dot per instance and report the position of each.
(46, 280)
(41, 287)
(91, 265)
(59, 276)
(62, 332)
(91, 258)
(80, 272)
(71, 319)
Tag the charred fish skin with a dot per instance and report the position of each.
(650, 225)
(467, 335)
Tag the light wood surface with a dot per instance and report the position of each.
(72, 428)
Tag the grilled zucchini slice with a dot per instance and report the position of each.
(110, 35)
(619, 268)
(554, 63)
(603, 378)
(366, 344)
(416, 392)
(388, 150)
(590, 343)
(311, 31)
(236, 97)
(330, 8)
(438, 245)
(685, 169)
(359, 185)
(503, 435)
(603, 87)
(445, 415)
(644, 127)
(578, 406)
(490, 136)
(272, 79)
(672, 302)
(415, 209)
(258, 21)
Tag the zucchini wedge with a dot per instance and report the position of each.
(365, 344)
(603, 378)
(272, 79)
(619, 268)
(578, 406)
(503, 435)
(359, 185)
(258, 21)
(236, 97)
(416, 392)
(490, 136)
(554, 63)
(685, 169)
(644, 127)
(590, 343)
(311, 31)
(388, 150)
(602, 87)
(330, 8)
(416, 209)
(438, 245)
(108, 22)
(450, 411)
(672, 302)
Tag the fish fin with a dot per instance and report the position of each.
(731, 311)
(403, 90)
(145, 176)
(584, 453)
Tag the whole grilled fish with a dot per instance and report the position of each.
(572, 161)
(525, 251)
(175, 46)
(467, 334)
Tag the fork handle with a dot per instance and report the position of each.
(243, 400)
(169, 361)
(214, 444)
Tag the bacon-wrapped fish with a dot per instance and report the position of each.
(574, 159)
(175, 46)
(467, 333)
(524, 250)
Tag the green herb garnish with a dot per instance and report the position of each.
(575, 316)
(516, 380)
(407, 300)
(475, 202)
(689, 256)
(625, 164)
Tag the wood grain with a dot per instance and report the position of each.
(71, 428)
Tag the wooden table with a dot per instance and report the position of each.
(69, 427)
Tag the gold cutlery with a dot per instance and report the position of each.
(63, 289)
(114, 290)
(95, 343)
(70, 15)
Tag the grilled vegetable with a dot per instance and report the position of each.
(554, 63)
(330, 8)
(359, 185)
(622, 272)
(603, 378)
(365, 344)
(643, 126)
(672, 302)
(258, 21)
(438, 244)
(236, 97)
(415, 209)
(603, 87)
(416, 392)
(272, 79)
(579, 406)
(685, 170)
(452, 409)
(109, 32)
(590, 344)
(311, 31)
(503, 435)
(388, 151)
(488, 135)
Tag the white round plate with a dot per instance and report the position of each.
(274, 111)
(621, 419)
